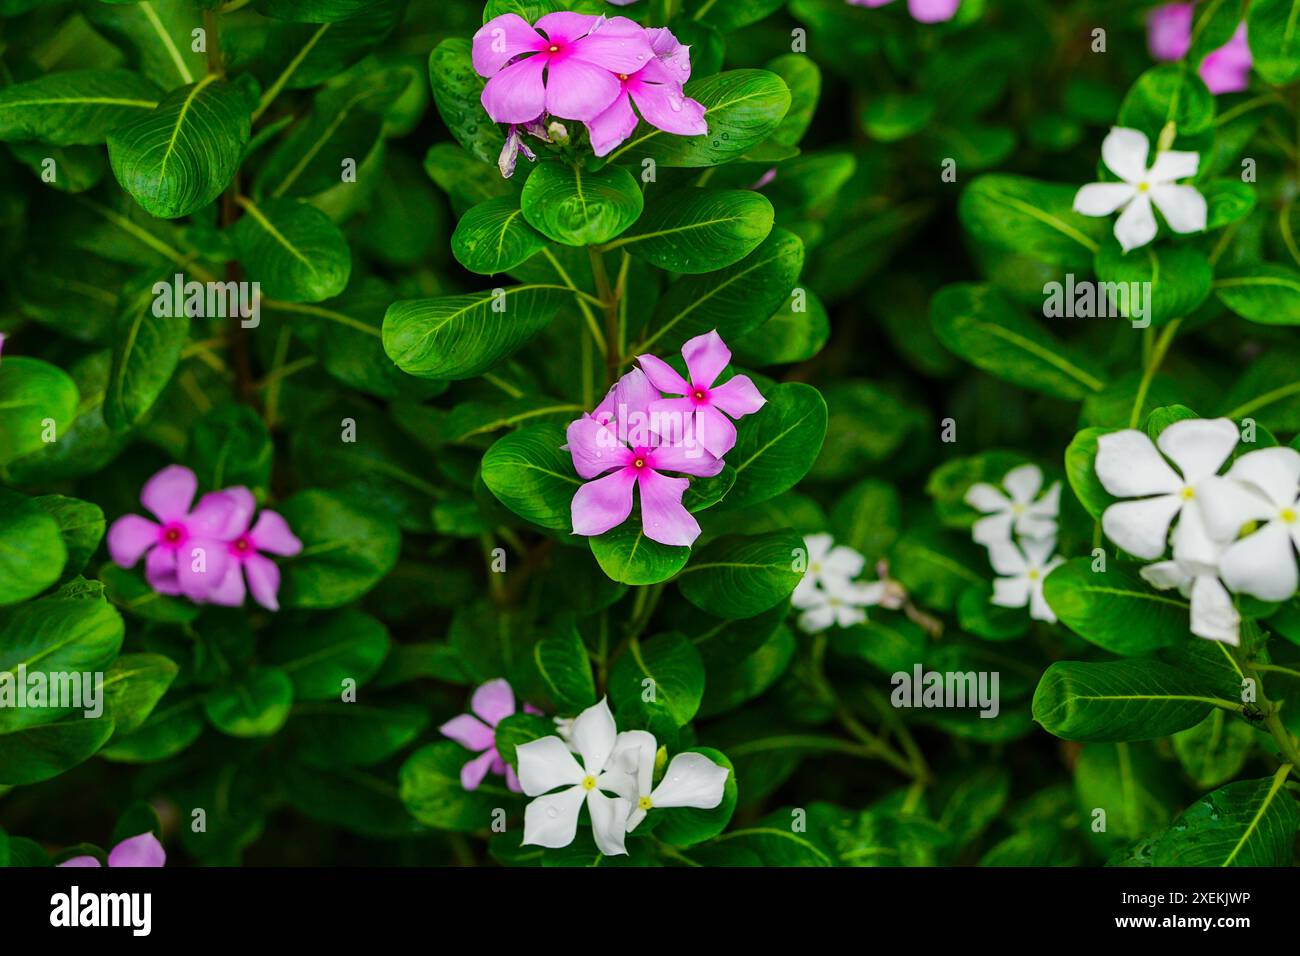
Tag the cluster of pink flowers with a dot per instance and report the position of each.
(587, 68)
(205, 551)
(926, 11)
(636, 434)
(1169, 36)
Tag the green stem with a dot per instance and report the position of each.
(1152, 365)
(275, 88)
(609, 300)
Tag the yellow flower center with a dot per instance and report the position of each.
(1288, 515)
(1143, 187)
(1032, 575)
(1188, 493)
(645, 803)
(815, 567)
(623, 77)
(588, 782)
(1018, 509)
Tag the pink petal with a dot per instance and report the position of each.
(688, 459)
(512, 780)
(81, 861)
(706, 356)
(142, 850)
(129, 538)
(468, 731)
(666, 107)
(168, 494)
(613, 126)
(567, 28)
(196, 582)
(738, 397)
(933, 11)
(263, 581)
(223, 515)
(160, 571)
(272, 535)
(619, 45)
(1169, 31)
(502, 39)
(231, 591)
(662, 376)
(662, 516)
(1227, 69)
(714, 431)
(578, 90)
(594, 447)
(604, 503)
(628, 401)
(517, 93)
(472, 774)
(673, 421)
(672, 59)
(493, 701)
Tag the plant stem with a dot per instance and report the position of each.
(1152, 365)
(609, 300)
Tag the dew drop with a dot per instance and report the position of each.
(676, 105)
(552, 812)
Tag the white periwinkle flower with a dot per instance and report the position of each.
(547, 764)
(827, 593)
(1024, 511)
(691, 780)
(1129, 466)
(1125, 153)
(1261, 486)
(830, 567)
(1214, 616)
(1023, 568)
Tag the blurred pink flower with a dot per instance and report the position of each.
(142, 850)
(1169, 37)
(476, 731)
(271, 535)
(926, 11)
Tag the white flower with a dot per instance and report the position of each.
(830, 568)
(1129, 466)
(1125, 153)
(1261, 486)
(546, 764)
(691, 780)
(1029, 518)
(1213, 614)
(1023, 568)
(842, 606)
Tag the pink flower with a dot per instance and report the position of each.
(493, 702)
(142, 850)
(271, 534)
(186, 553)
(568, 69)
(1169, 37)
(706, 356)
(926, 11)
(656, 89)
(637, 454)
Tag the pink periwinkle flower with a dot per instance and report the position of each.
(566, 66)
(247, 550)
(656, 89)
(701, 402)
(926, 11)
(619, 438)
(185, 551)
(142, 850)
(476, 731)
(1169, 37)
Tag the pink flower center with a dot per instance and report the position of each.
(173, 535)
(241, 546)
(639, 463)
(699, 395)
(623, 77)
(553, 48)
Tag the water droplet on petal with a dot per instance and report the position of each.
(552, 812)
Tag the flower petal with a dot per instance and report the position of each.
(1183, 207)
(604, 503)
(634, 754)
(567, 27)
(984, 497)
(168, 494)
(1262, 564)
(1199, 446)
(231, 591)
(715, 431)
(665, 106)
(502, 39)
(1136, 225)
(129, 538)
(1124, 151)
(223, 515)
(1213, 614)
(1039, 609)
(1010, 592)
(200, 567)
(817, 618)
(552, 821)
(273, 535)
(691, 780)
(608, 822)
(594, 447)
(160, 571)
(1227, 69)
(579, 90)
(81, 861)
(1166, 575)
(1128, 466)
(1024, 483)
(1007, 559)
(546, 763)
(593, 736)
(263, 581)
(662, 375)
(933, 11)
(688, 459)
(629, 398)
(1102, 199)
(473, 772)
(738, 396)
(1274, 471)
(616, 44)
(470, 732)
(843, 562)
(1174, 164)
(612, 126)
(138, 851)
(1141, 527)
(1169, 31)
(706, 356)
(517, 93)
(493, 701)
(662, 516)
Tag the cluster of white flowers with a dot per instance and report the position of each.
(828, 594)
(1125, 153)
(1211, 554)
(614, 780)
(1019, 530)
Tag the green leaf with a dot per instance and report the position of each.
(1170, 93)
(658, 680)
(157, 35)
(1080, 460)
(314, 11)
(530, 473)
(134, 685)
(1174, 281)
(351, 734)
(980, 325)
(730, 15)
(1116, 609)
(81, 524)
(462, 336)
(1032, 218)
(320, 653)
(803, 77)
(456, 91)
(1130, 784)
(741, 107)
(935, 567)
(39, 753)
(1215, 750)
(167, 731)
(231, 445)
(493, 237)
(293, 250)
(32, 549)
(182, 155)
(256, 706)
(562, 663)
(777, 445)
(128, 591)
(626, 555)
(1119, 700)
(1247, 823)
(432, 791)
(347, 549)
(76, 107)
(739, 576)
(1274, 40)
(146, 350)
(895, 116)
(32, 395)
(578, 207)
(698, 230)
(797, 332)
(1263, 292)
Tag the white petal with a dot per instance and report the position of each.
(1141, 527)
(608, 822)
(1048, 506)
(1165, 575)
(806, 593)
(1183, 207)
(1262, 564)
(552, 821)
(1024, 483)
(846, 615)
(545, 764)
(817, 618)
(1193, 543)
(1213, 614)
(634, 753)
(1274, 471)
(1007, 559)
(984, 497)
(594, 732)
(1030, 528)
(1010, 592)
(993, 529)
(1124, 152)
(818, 545)
(1173, 164)
(1226, 504)
(1199, 446)
(843, 562)
(1136, 225)
(1102, 199)
(1128, 466)
(868, 595)
(691, 780)
(635, 819)
(1038, 551)
(1039, 609)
